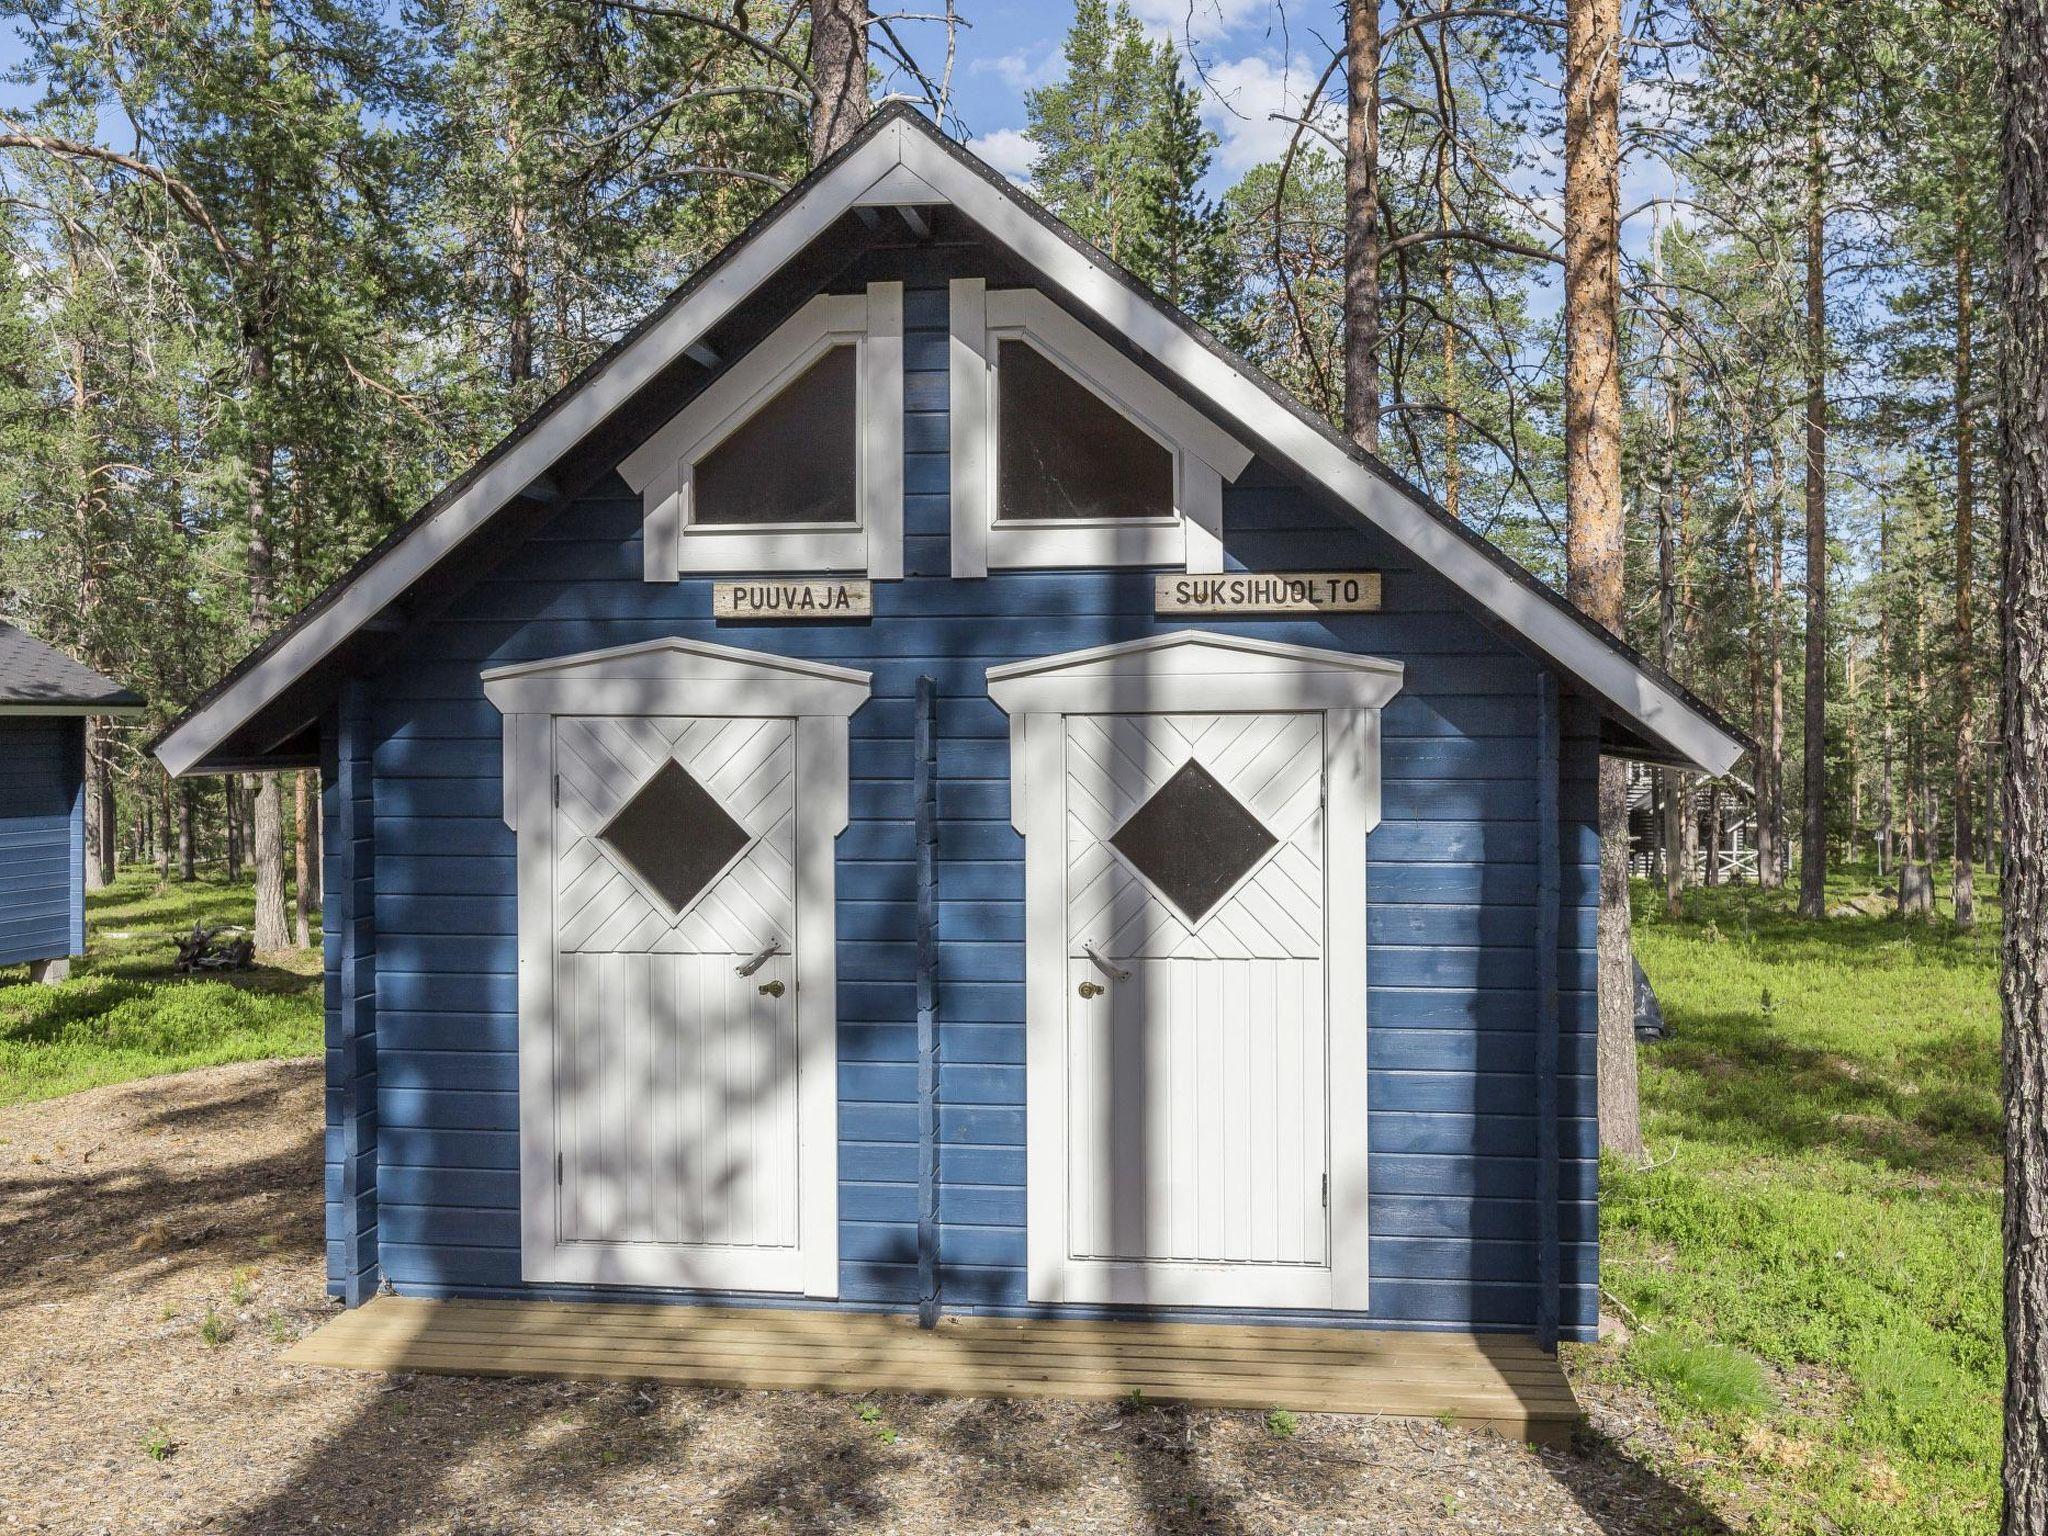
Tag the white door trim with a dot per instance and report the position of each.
(681, 677)
(1193, 670)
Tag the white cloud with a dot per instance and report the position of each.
(1203, 21)
(1009, 151)
(1243, 96)
(1023, 71)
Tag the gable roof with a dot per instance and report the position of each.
(38, 679)
(898, 159)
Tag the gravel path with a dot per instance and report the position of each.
(160, 1247)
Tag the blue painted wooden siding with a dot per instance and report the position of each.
(42, 837)
(348, 868)
(1450, 922)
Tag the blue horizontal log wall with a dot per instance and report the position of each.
(1451, 916)
(42, 837)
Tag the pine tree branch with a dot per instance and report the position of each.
(716, 24)
(187, 200)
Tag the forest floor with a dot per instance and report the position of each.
(1808, 1271)
(126, 1013)
(161, 1249)
(1810, 1263)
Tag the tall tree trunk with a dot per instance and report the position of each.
(1887, 783)
(302, 871)
(1593, 521)
(839, 73)
(1447, 274)
(1678, 800)
(1752, 564)
(261, 298)
(1813, 816)
(1770, 844)
(2023, 80)
(102, 831)
(163, 825)
(1362, 225)
(231, 812)
(1966, 680)
(188, 855)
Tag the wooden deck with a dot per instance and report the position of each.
(1495, 1381)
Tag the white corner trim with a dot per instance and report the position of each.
(676, 677)
(662, 469)
(1190, 535)
(1193, 669)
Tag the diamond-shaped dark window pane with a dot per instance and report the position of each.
(1193, 839)
(674, 835)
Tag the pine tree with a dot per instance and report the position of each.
(1094, 128)
(1178, 243)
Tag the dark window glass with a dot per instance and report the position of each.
(1193, 840)
(674, 835)
(792, 461)
(1067, 453)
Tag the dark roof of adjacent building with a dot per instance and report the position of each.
(40, 679)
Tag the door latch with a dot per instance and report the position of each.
(1114, 973)
(774, 948)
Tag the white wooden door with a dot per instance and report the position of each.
(675, 1054)
(1197, 1032)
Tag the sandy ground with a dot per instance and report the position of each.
(130, 1216)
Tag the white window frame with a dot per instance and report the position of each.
(1190, 536)
(1204, 672)
(662, 470)
(680, 677)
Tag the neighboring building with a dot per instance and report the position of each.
(45, 699)
(838, 807)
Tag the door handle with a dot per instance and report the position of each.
(1114, 973)
(774, 948)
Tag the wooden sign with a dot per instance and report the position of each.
(1269, 592)
(791, 600)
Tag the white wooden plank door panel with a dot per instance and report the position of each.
(1197, 1031)
(675, 1077)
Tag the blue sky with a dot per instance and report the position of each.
(1258, 58)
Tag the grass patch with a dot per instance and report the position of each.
(125, 1013)
(1708, 1378)
(1826, 1126)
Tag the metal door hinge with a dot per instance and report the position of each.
(558, 790)
(558, 1168)
(1326, 1191)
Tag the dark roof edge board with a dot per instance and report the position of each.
(39, 679)
(899, 157)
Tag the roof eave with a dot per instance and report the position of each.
(1099, 291)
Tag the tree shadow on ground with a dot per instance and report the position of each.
(68, 1228)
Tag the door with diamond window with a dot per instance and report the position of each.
(675, 1049)
(1197, 1032)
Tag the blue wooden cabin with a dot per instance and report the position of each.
(45, 700)
(922, 782)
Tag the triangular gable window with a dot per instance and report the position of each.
(1064, 452)
(1067, 453)
(794, 461)
(791, 459)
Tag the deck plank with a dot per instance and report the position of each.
(1498, 1381)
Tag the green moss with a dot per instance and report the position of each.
(125, 1013)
